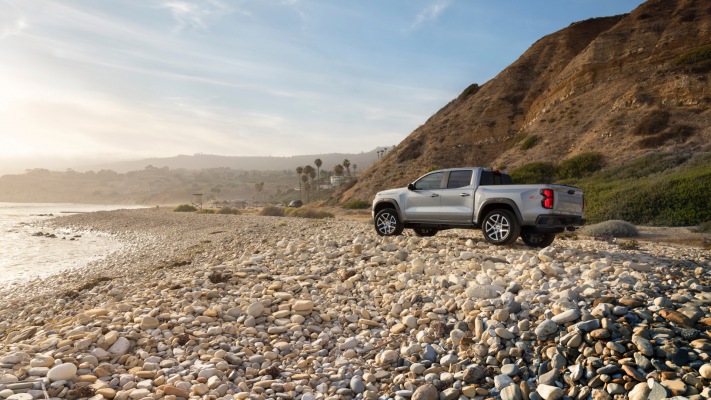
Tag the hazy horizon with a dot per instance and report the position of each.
(92, 82)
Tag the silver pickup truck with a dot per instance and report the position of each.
(479, 198)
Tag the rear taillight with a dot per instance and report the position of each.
(547, 201)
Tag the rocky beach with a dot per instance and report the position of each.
(251, 307)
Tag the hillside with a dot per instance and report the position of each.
(623, 86)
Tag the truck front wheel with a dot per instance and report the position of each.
(387, 223)
(500, 227)
(537, 239)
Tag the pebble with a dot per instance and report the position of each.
(196, 306)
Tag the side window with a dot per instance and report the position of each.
(459, 179)
(429, 182)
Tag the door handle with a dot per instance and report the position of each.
(465, 194)
(434, 195)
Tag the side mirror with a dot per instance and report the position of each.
(411, 186)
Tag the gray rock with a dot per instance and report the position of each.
(546, 328)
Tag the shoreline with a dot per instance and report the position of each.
(233, 306)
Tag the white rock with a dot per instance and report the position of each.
(62, 372)
(705, 371)
(566, 316)
(120, 347)
(549, 392)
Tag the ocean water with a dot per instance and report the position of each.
(25, 256)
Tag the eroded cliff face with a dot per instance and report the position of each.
(622, 86)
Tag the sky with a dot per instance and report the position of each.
(101, 80)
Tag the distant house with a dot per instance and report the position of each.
(337, 180)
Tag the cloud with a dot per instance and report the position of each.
(196, 15)
(12, 21)
(431, 12)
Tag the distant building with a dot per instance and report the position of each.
(337, 180)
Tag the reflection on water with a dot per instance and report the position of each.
(25, 253)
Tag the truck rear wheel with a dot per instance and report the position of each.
(387, 222)
(500, 227)
(537, 239)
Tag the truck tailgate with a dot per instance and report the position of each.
(568, 200)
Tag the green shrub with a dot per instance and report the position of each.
(272, 211)
(308, 213)
(206, 211)
(652, 123)
(530, 142)
(519, 137)
(228, 210)
(537, 172)
(357, 205)
(704, 227)
(678, 132)
(184, 208)
(581, 165)
(700, 55)
(660, 192)
(614, 228)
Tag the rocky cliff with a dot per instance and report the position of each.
(622, 86)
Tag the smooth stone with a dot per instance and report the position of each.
(502, 381)
(511, 392)
(546, 328)
(510, 369)
(66, 371)
(705, 371)
(255, 309)
(120, 347)
(427, 391)
(149, 323)
(566, 316)
(548, 392)
(639, 392)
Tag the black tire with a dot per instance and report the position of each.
(387, 222)
(500, 227)
(425, 231)
(540, 240)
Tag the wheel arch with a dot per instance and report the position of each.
(381, 205)
(493, 204)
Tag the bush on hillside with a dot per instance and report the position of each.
(679, 133)
(272, 211)
(537, 172)
(229, 210)
(308, 213)
(185, 208)
(614, 228)
(653, 190)
(357, 205)
(704, 227)
(530, 142)
(653, 123)
(206, 211)
(581, 165)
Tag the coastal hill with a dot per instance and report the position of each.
(623, 86)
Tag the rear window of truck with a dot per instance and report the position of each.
(489, 178)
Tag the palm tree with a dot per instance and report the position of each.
(338, 169)
(307, 172)
(299, 171)
(347, 165)
(305, 179)
(318, 164)
(312, 175)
